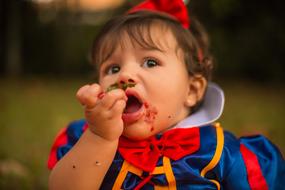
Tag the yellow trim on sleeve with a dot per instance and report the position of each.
(218, 153)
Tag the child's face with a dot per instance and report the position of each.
(162, 94)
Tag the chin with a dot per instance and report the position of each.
(138, 131)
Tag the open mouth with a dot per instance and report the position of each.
(134, 109)
(133, 104)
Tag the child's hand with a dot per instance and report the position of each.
(103, 111)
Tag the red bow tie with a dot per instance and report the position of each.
(173, 144)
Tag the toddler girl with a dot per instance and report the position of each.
(150, 121)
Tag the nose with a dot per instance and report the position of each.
(127, 77)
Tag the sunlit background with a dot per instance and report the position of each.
(44, 56)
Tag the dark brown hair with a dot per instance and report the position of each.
(138, 27)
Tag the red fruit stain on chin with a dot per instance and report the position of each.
(150, 114)
(146, 105)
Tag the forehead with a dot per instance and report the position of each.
(153, 36)
(157, 36)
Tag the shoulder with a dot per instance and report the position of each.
(65, 140)
(254, 160)
(261, 156)
(75, 129)
(216, 140)
(222, 148)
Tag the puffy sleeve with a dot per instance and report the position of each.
(259, 165)
(65, 140)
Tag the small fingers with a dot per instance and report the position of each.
(112, 97)
(118, 106)
(88, 95)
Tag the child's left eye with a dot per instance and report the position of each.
(150, 63)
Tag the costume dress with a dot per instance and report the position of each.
(212, 158)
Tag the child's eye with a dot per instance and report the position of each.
(113, 69)
(150, 63)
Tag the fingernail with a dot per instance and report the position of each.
(101, 95)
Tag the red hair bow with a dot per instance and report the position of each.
(175, 8)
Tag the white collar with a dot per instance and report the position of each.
(209, 111)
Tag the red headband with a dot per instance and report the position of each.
(175, 8)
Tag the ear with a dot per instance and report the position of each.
(197, 86)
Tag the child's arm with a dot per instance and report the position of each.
(86, 164)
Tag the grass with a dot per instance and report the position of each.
(33, 110)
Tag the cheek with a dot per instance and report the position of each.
(105, 82)
(101, 81)
(169, 95)
(169, 104)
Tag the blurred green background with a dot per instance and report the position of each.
(44, 46)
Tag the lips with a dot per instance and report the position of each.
(134, 107)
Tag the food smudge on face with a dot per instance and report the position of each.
(146, 105)
(120, 85)
(150, 115)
